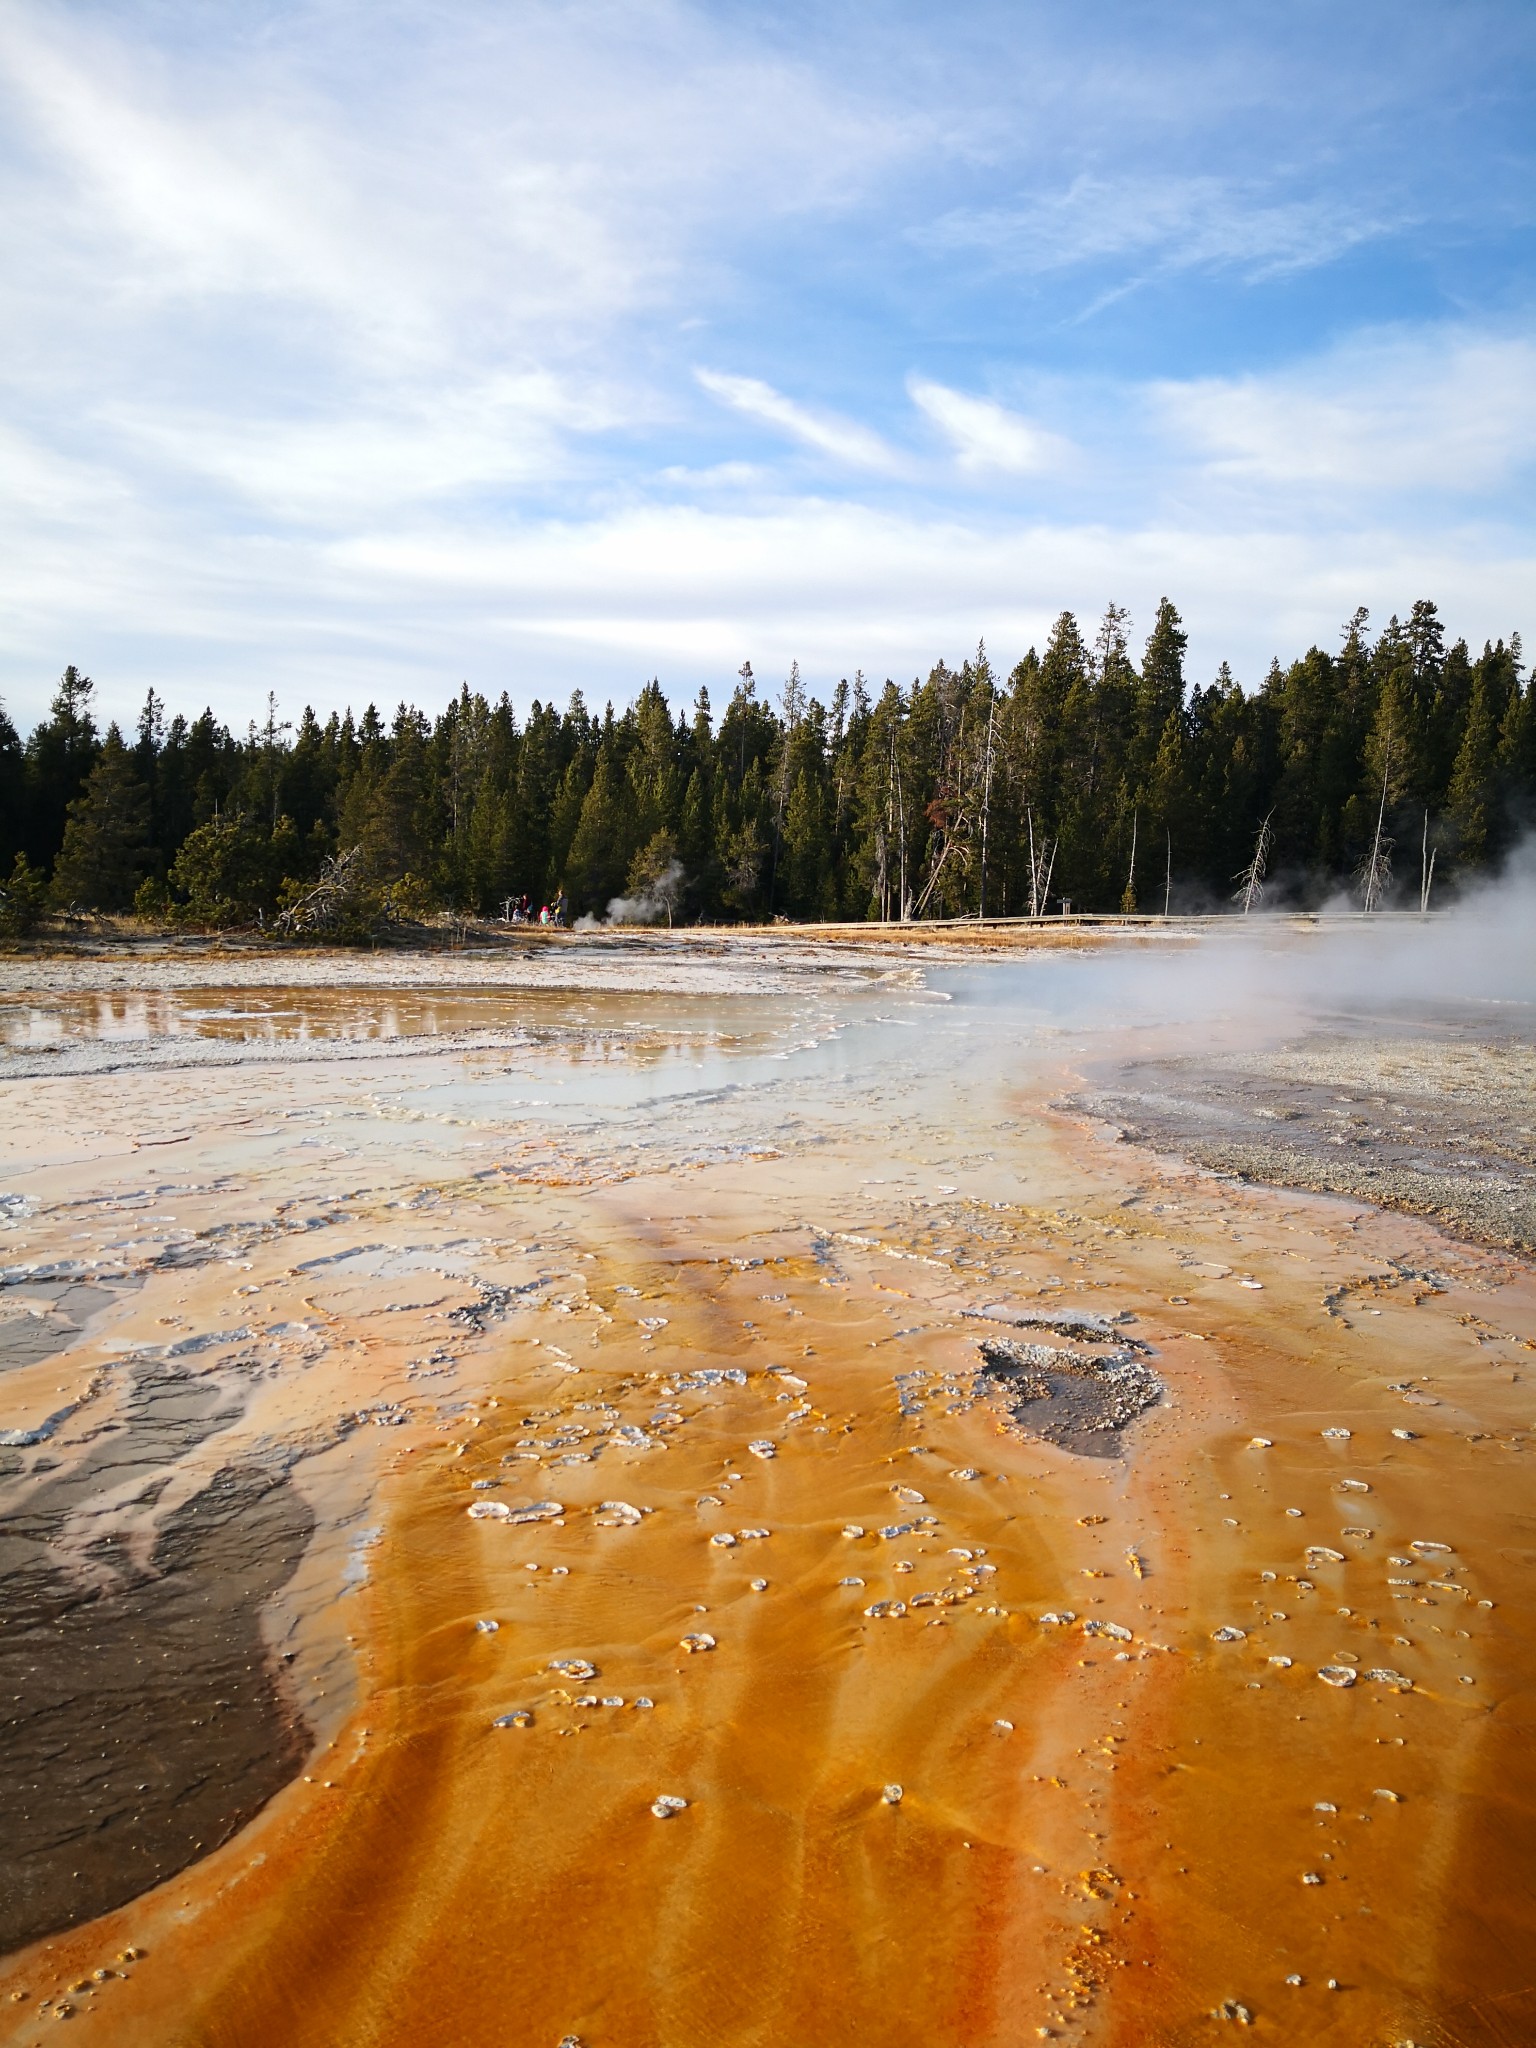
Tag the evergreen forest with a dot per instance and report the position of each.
(1087, 778)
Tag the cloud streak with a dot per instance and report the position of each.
(842, 439)
(1165, 224)
(986, 435)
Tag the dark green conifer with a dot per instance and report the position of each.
(106, 835)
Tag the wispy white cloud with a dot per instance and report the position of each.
(382, 611)
(1450, 412)
(375, 458)
(354, 348)
(986, 435)
(491, 179)
(828, 433)
(1164, 223)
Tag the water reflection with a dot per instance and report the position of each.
(595, 1026)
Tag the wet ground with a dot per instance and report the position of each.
(1435, 1115)
(467, 1448)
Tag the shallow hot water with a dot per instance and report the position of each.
(980, 1736)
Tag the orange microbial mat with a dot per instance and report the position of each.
(730, 1520)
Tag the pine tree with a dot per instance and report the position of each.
(106, 835)
(221, 872)
(23, 899)
(1473, 793)
(60, 755)
(13, 780)
(605, 839)
(1159, 690)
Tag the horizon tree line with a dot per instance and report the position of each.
(1084, 779)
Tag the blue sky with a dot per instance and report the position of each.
(354, 350)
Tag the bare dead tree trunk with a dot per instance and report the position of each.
(986, 801)
(901, 850)
(1426, 869)
(1128, 900)
(1376, 869)
(1250, 882)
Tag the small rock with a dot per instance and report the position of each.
(723, 1540)
(1407, 1436)
(572, 1667)
(1430, 1549)
(759, 1585)
(892, 1795)
(697, 1642)
(490, 1511)
(1396, 1679)
(486, 1628)
(1338, 1436)
(1229, 2009)
(1261, 1443)
(763, 1448)
(752, 1535)
(910, 1497)
(1337, 1674)
(964, 1472)
(666, 1804)
(1311, 1877)
(1062, 1620)
(1107, 1628)
(1229, 1634)
(1320, 1554)
(617, 1514)
(853, 1531)
(518, 1718)
(1283, 1663)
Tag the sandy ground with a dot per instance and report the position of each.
(656, 1268)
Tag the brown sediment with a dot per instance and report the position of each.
(45, 1318)
(141, 1718)
(571, 1314)
(143, 1722)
